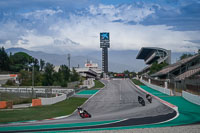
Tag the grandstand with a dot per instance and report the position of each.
(181, 69)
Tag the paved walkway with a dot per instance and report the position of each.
(17, 106)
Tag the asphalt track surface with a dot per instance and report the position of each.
(116, 101)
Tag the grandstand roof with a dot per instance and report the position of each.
(145, 51)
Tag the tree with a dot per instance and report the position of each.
(20, 61)
(75, 76)
(42, 63)
(4, 60)
(64, 75)
(36, 64)
(25, 78)
(157, 67)
(48, 75)
(38, 78)
(183, 56)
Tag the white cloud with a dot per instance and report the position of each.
(85, 31)
(124, 13)
(81, 32)
(39, 14)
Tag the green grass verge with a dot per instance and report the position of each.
(137, 82)
(65, 107)
(98, 84)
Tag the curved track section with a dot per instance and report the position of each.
(116, 101)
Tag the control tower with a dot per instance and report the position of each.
(104, 44)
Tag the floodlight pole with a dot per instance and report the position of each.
(68, 60)
(32, 79)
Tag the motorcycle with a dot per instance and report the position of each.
(149, 98)
(84, 113)
(141, 101)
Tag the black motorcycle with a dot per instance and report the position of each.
(149, 98)
(141, 101)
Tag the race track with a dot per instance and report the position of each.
(116, 101)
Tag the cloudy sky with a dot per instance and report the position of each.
(57, 26)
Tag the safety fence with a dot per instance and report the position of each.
(35, 90)
(50, 96)
(191, 85)
(158, 82)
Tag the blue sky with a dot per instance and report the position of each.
(57, 26)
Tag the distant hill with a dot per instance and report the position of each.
(118, 60)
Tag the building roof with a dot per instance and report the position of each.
(145, 51)
(172, 67)
(187, 74)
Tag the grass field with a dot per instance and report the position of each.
(42, 112)
(137, 82)
(98, 85)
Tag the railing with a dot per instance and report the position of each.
(158, 82)
(194, 89)
(145, 78)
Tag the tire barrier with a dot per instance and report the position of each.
(36, 102)
(6, 105)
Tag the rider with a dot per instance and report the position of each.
(80, 110)
(83, 113)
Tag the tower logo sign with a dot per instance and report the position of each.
(104, 40)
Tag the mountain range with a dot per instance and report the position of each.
(118, 60)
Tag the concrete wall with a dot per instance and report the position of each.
(53, 100)
(191, 97)
(158, 88)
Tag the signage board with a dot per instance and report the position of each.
(104, 40)
(104, 37)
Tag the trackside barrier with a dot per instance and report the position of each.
(158, 88)
(48, 101)
(36, 102)
(36, 90)
(191, 97)
(53, 100)
(2, 104)
(6, 105)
